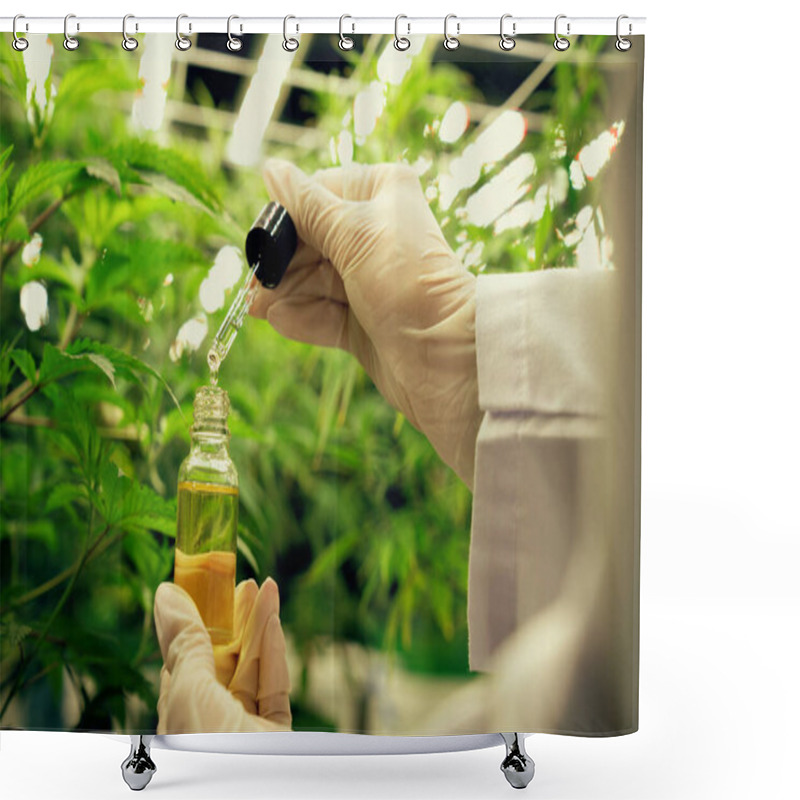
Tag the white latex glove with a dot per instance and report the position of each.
(374, 275)
(240, 687)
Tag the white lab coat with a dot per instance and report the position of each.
(553, 579)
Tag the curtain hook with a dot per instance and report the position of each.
(400, 42)
(623, 44)
(290, 44)
(345, 42)
(70, 43)
(181, 42)
(560, 43)
(128, 42)
(20, 43)
(507, 42)
(233, 44)
(451, 42)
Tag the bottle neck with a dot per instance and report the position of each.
(209, 440)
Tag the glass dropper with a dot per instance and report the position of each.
(233, 322)
(269, 247)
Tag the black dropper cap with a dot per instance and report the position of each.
(271, 244)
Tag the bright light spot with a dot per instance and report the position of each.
(558, 187)
(594, 156)
(367, 108)
(393, 64)
(154, 71)
(190, 337)
(559, 148)
(223, 275)
(493, 144)
(33, 250)
(470, 253)
(502, 191)
(454, 122)
(344, 148)
(421, 165)
(521, 214)
(37, 58)
(169, 279)
(431, 193)
(146, 308)
(33, 303)
(531, 254)
(244, 146)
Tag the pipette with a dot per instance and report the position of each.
(269, 248)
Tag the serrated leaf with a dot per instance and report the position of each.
(83, 80)
(5, 155)
(62, 495)
(39, 179)
(58, 364)
(27, 366)
(14, 632)
(130, 505)
(103, 170)
(17, 230)
(125, 364)
(105, 365)
(166, 169)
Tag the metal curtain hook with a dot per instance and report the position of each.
(128, 42)
(560, 43)
(70, 43)
(623, 44)
(233, 44)
(345, 42)
(20, 43)
(400, 42)
(181, 42)
(451, 42)
(507, 42)
(289, 44)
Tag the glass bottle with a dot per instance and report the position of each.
(208, 513)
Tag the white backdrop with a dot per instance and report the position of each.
(720, 705)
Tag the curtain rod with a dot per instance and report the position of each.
(459, 26)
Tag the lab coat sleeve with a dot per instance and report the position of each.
(544, 597)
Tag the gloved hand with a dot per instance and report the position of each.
(374, 275)
(242, 686)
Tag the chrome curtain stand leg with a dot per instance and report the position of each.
(138, 768)
(517, 766)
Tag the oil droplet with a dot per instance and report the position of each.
(213, 361)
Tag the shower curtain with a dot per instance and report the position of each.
(434, 417)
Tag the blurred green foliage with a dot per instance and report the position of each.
(365, 530)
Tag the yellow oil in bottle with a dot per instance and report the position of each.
(205, 552)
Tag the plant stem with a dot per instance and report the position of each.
(31, 391)
(99, 546)
(12, 247)
(23, 668)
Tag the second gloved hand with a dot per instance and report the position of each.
(375, 276)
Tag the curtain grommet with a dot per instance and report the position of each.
(70, 42)
(507, 42)
(622, 44)
(129, 43)
(345, 42)
(451, 42)
(401, 43)
(19, 43)
(560, 43)
(181, 42)
(290, 44)
(234, 44)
